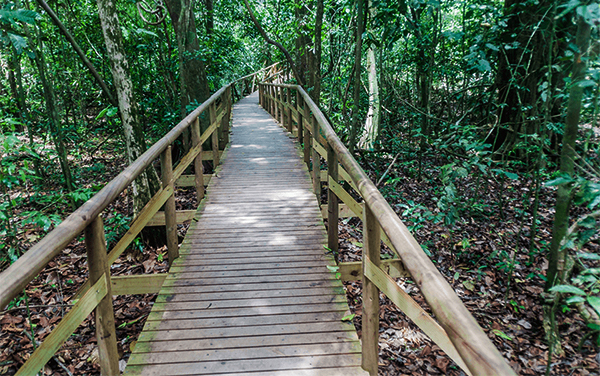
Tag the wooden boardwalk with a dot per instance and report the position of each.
(251, 293)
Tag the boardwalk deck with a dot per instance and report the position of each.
(251, 293)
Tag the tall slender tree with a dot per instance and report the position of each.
(147, 183)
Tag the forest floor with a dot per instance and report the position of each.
(474, 254)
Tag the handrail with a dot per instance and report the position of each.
(474, 347)
(96, 294)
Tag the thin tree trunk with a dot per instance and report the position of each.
(371, 130)
(56, 130)
(315, 69)
(210, 18)
(557, 256)
(360, 15)
(147, 183)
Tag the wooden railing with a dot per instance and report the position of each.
(455, 331)
(96, 293)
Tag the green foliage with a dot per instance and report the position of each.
(11, 20)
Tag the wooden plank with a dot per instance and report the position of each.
(65, 328)
(247, 353)
(346, 198)
(352, 271)
(290, 364)
(187, 319)
(207, 155)
(195, 286)
(244, 302)
(412, 309)
(190, 180)
(344, 211)
(181, 216)
(235, 333)
(137, 284)
(224, 343)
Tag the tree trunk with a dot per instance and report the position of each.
(557, 256)
(315, 68)
(520, 71)
(371, 130)
(147, 183)
(16, 86)
(210, 18)
(360, 15)
(56, 126)
(193, 81)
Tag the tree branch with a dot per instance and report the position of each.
(276, 44)
(77, 49)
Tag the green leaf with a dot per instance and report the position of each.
(501, 334)
(594, 301)
(568, 289)
(574, 299)
(348, 317)
(18, 42)
(588, 256)
(593, 326)
(565, 179)
(456, 275)
(333, 268)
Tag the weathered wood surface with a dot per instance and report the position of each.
(251, 292)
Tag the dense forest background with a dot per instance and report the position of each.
(478, 120)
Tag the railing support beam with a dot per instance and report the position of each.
(370, 317)
(332, 202)
(106, 335)
(198, 166)
(166, 167)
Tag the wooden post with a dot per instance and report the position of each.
(224, 128)
(332, 201)
(316, 161)
(307, 138)
(300, 111)
(276, 104)
(288, 100)
(260, 96)
(106, 335)
(370, 318)
(282, 107)
(198, 167)
(166, 167)
(272, 100)
(215, 136)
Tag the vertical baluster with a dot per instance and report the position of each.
(370, 319)
(106, 336)
(212, 111)
(332, 201)
(316, 161)
(288, 100)
(272, 100)
(166, 167)
(198, 167)
(227, 117)
(282, 107)
(300, 111)
(276, 100)
(307, 138)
